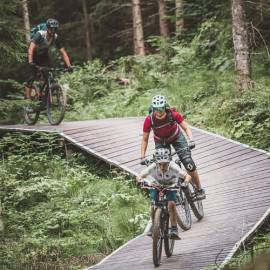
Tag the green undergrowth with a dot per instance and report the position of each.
(253, 255)
(60, 213)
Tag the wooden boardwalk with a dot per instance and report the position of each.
(236, 179)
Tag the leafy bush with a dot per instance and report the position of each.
(59, 214)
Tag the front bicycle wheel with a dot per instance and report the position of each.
(157, 237)
(32, 110)
(168, 242)
(183, 216)
(195, 204)
(56, 104)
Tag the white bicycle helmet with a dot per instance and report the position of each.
(162, 155)
(158, 101)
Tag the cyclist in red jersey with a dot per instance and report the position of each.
(166, 124)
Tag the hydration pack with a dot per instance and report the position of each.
(36, 28)
(169, 116)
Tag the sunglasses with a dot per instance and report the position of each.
(53, 29)
(159, 109)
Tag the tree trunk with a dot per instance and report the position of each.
(179, 22)
(163, 24)
(38, 6)
(87, 30)
(138, 38)
(26, 20)
(241, 46)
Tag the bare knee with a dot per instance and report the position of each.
(171, 205)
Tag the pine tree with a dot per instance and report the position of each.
(11, 33)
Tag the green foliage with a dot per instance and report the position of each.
(59, 214)
(259, 245)
(213, 44)
(88, 83)
(11, 44)
(250, 116)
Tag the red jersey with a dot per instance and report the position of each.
(162, 128)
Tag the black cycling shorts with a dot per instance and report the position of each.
(40, 60)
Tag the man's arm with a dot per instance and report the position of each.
(65, 57)
(31, 49)
(187, 130)
(144, 144)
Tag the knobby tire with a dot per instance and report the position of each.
(57, 100)
(157, 237)
(196, 206)
(32, 118)
(168, 242)
(183, 216)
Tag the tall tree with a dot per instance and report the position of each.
(241, 46)
(179, 21)
(163, 24)
(87, 30)
(26, 20)
(12, 43)
(138, 38)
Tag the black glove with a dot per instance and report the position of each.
(33, 66)
(70, 69)
(191, 144)
(144, 161)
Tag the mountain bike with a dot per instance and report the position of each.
(161, 223)
(46, 94)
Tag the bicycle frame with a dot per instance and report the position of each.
(48, 78)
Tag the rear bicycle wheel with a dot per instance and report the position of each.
(157, 238)
(196, 205)
(56, 104)
(168, 242)
(183, 216)
(32, 111)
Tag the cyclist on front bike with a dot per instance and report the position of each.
(165, 124)
(38, 52)
(164, 172)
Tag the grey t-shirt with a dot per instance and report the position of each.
(168, 178)
(43, 43)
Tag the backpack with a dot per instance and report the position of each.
(36, 28)
(169, 116)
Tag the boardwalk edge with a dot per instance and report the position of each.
(92, 152)
(230, 140)
(107, 257)
(245, 238)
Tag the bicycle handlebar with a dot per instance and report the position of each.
(44, 68)
(146, 185)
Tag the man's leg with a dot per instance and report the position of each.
(27, 92)
(172, 211)
(31, 77)
(181, 147)
(171, 197)
(196, 179)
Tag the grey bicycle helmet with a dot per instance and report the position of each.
(162, 155)
(52, 23)
(158, 101)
